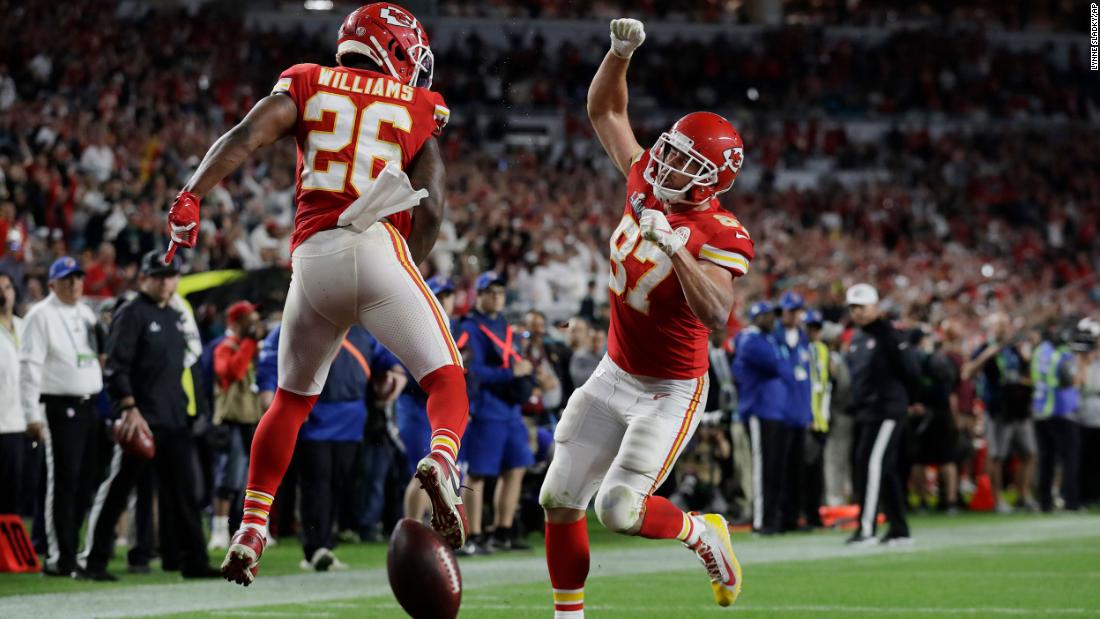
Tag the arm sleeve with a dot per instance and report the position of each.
(486, 374)
(231, 365)
(32, 356)
(730, 246)
(121, 348)
(291, 82)
(441, 114)
(901, 359)
(761, 357)
(267, 370)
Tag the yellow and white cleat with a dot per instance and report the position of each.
(715, 550)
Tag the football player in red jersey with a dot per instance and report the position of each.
(360, 229)
(674, 257)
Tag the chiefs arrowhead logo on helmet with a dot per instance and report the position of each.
(733, 158)
(392, 38)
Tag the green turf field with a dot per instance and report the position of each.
(967, 566)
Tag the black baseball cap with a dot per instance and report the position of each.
(152, 264)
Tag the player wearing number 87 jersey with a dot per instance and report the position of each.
(674, 258)
(362, 226)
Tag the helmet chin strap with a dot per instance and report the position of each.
(668, 196)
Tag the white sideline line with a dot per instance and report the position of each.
(304, 588)
(818, 608)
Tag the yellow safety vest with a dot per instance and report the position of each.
(820, 389)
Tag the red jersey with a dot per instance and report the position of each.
(654, 332)
(351, 122)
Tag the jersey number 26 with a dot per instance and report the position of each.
(332, 175)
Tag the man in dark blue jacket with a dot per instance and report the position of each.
(329, 439)
(496, 442)
(798, 413)
(762, 372)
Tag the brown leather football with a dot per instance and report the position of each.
(140, 444)
(423, 572)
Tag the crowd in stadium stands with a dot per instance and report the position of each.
(952, 227)
(791, 71)
(1018, 14)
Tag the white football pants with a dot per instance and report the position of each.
(620, 435)
(342, 278)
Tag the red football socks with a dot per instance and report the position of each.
(663, 520)
(448, 408)
(272, 448)
(567, 560)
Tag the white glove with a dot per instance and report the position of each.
(626, 36)
(656, 229)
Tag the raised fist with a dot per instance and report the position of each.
(626, 36)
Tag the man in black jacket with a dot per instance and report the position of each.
(884, 373)
(144, 371)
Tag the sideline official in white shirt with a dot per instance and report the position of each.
(13, 422)
(59, 379)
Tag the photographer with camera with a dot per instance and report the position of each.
(1005, 388)
(1088, 381)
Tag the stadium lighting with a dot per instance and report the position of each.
(987, 270)
(318, 5)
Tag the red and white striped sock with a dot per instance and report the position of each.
(257, 509)
(446, 442)
(567, 559)
(448, 408)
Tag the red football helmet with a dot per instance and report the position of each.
(392, 37)
(702, 146)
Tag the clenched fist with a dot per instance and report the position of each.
(656, 229)
(626, 36)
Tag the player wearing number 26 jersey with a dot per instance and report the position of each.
(358, 116)
(369, 206)
(674, 257)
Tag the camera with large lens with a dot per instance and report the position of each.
(1084, 336)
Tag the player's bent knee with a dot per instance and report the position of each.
(619, 509)
(563, 515)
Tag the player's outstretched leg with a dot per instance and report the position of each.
(272, 449)
(448, 412)
(708, 536)
(567, 560)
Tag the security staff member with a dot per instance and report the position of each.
(1054, 405)
(883, 376)
(496, 442)
(821, 388)
(798, 413)
(60, 370)
(762, 372)
(145, 363)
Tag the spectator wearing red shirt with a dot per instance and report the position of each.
(237, 410)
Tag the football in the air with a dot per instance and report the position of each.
(140, 443)
(423, 572)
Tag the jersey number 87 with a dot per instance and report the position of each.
(627, 240)
(368, 146)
